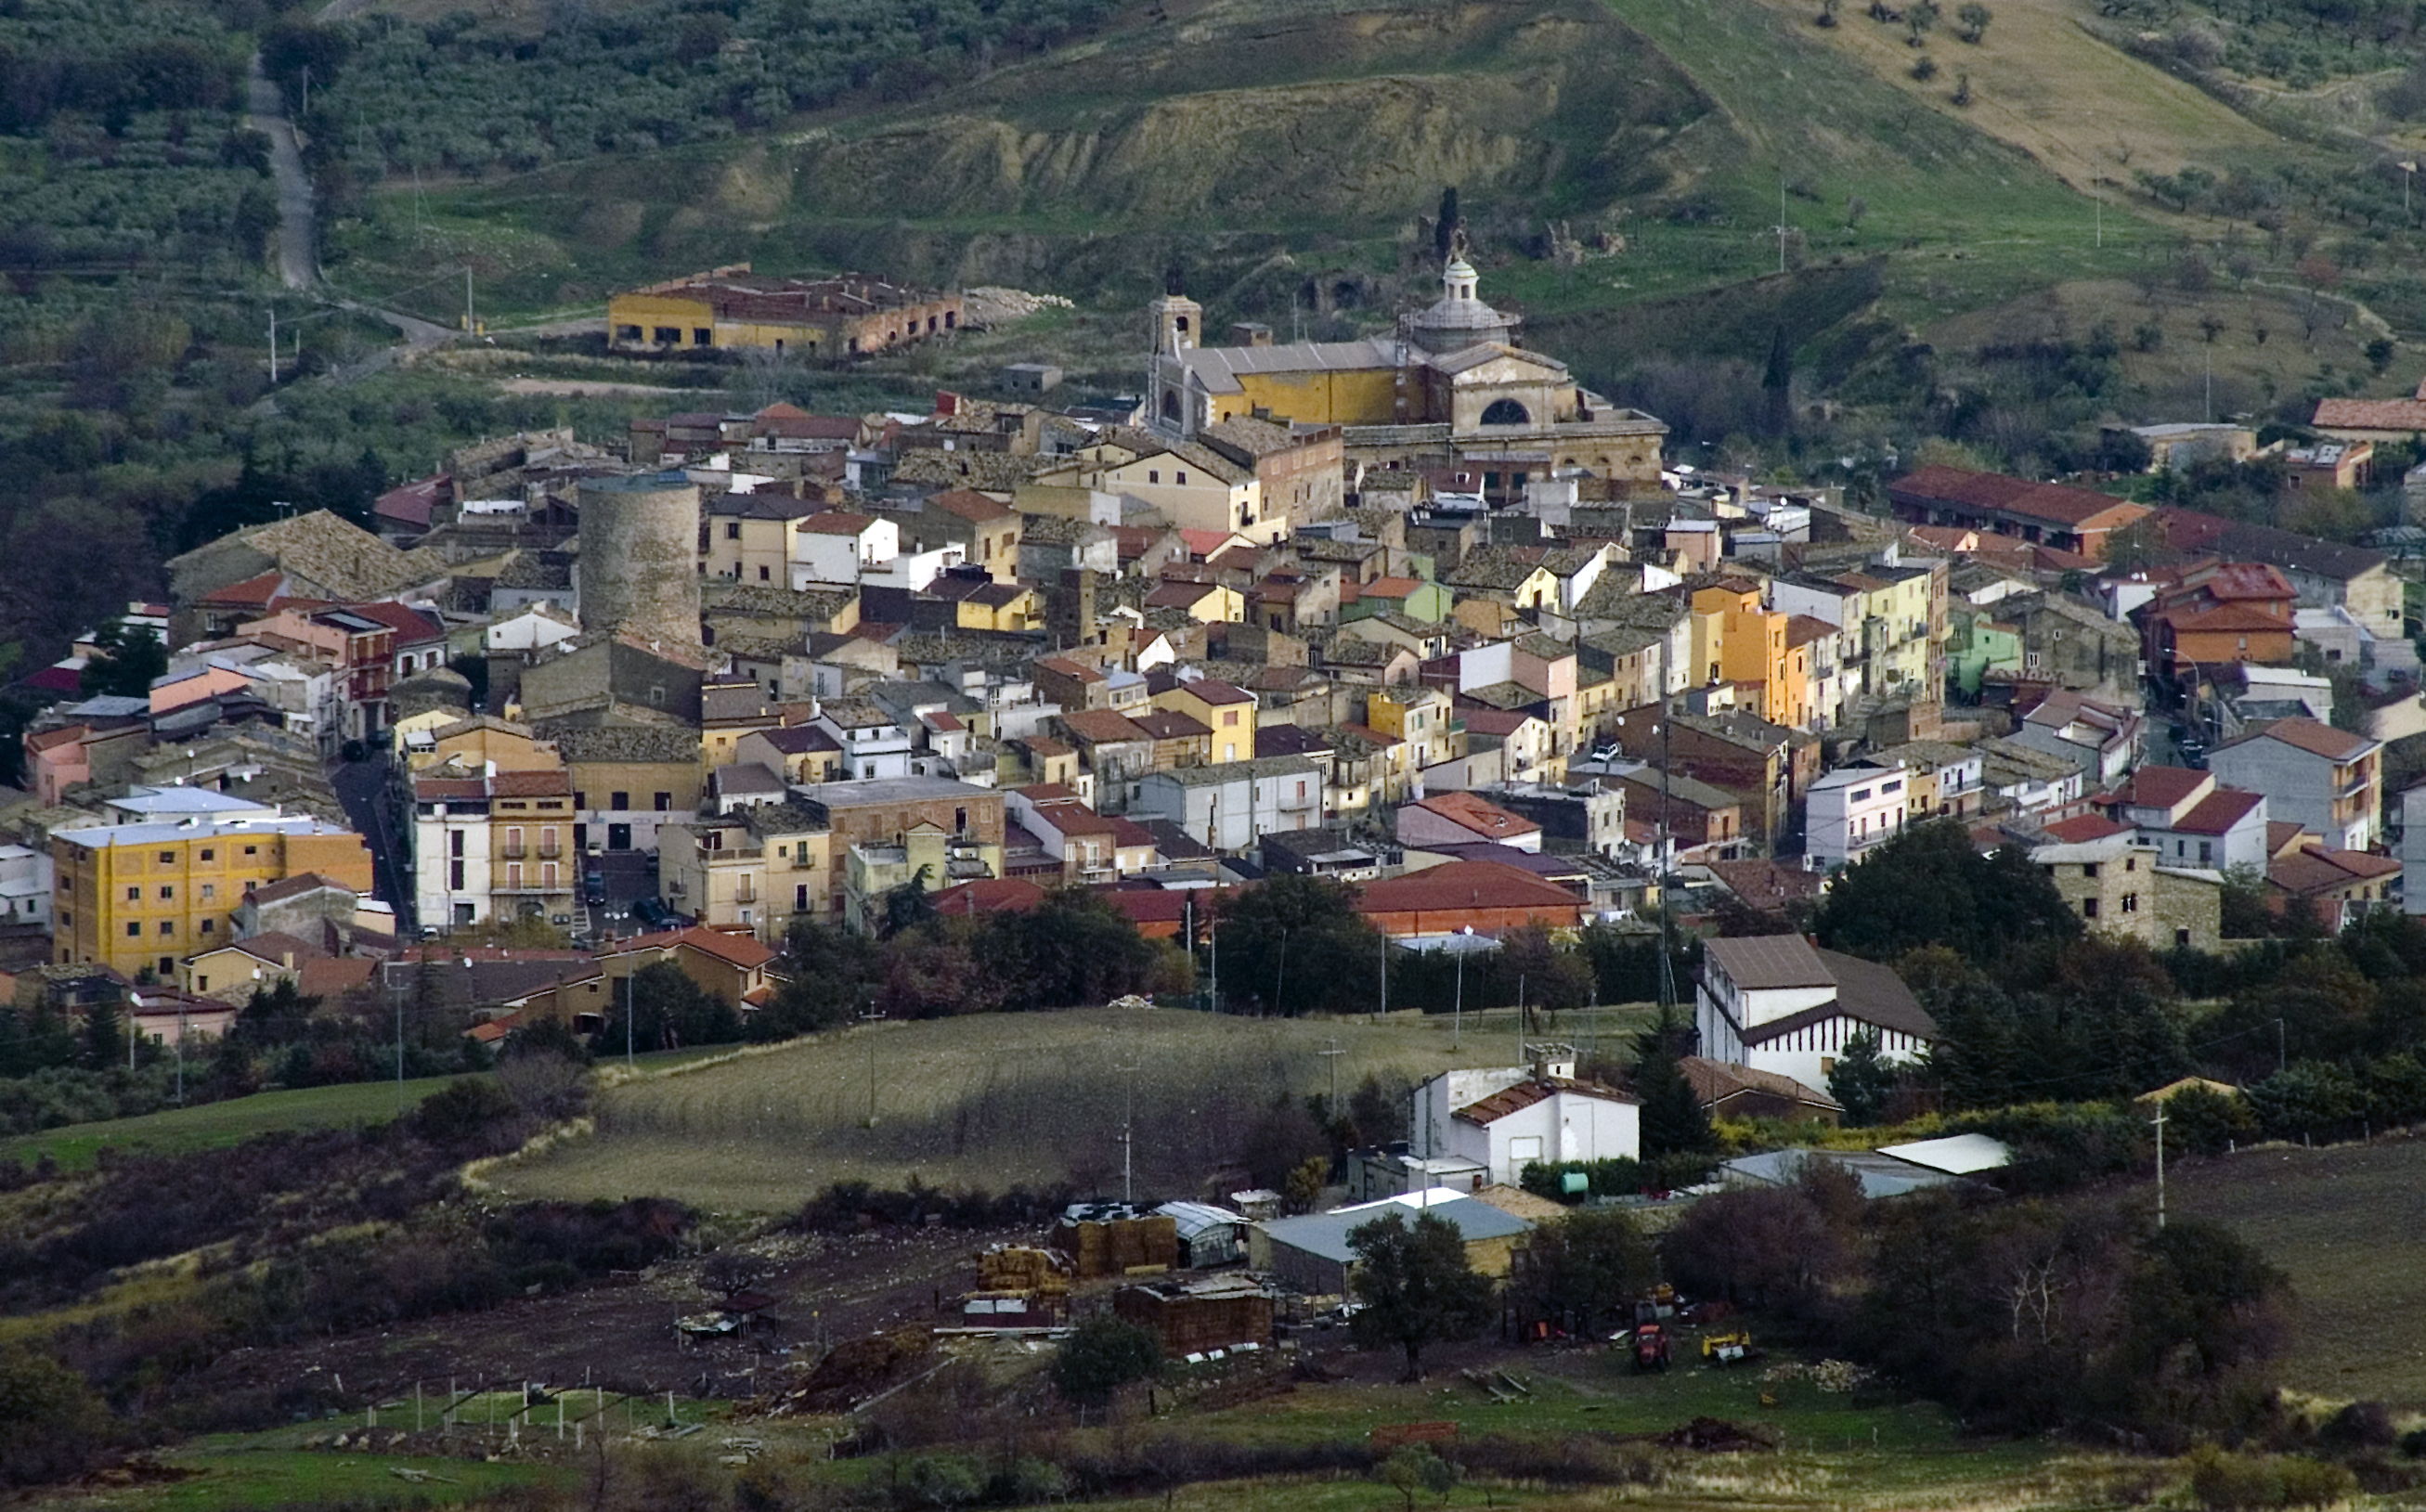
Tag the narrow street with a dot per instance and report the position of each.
(362, 787)
(298, 266)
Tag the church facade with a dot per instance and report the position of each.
(1451, 386)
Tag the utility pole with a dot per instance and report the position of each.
(398, 996)
(1385, 971)
(273, 349)
(1279, 971)
(1332, 1053)
(871, 1018)
(1520, 1018)
(2160, 1121)
(1781, 222)
(2280, 1064)
(629, 1028)
(181, 1050)
(1457, 1010)
(467, 301)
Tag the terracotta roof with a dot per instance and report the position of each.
(2282, 835)
(1764, 881)
(1525, 1094)
(2083, 828)
(1213, 691)
(1170, 724)
(2217, 812)
(2162, 787)
(1484, 818)
(993, 895)
(292, 887)
(2369, 414)
(2050, 502)
(333, 976)
(2308, 735)
(2315, 869)
(1714, 1082)
(410, 625)
(738, 950)
(969, 505)
(1096, 727)
(1464, 885)
(2224, 618)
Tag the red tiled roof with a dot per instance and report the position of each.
(253, 592)
(1464, 885)
(2308, 735)
(737, 950)
(1526, 1094)
(2085, 826)
(970, 505)
(1484, 818)
(992, 894)
(410, 625)
(836, 523)
(2315, 869)
(2162, 787)
(1213, 691)
(2370, 414)
(2051, 502)
(2219, 811)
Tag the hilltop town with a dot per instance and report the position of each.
(1412, 656)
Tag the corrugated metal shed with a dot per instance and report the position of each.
(1207, 1235)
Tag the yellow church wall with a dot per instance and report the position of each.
(1363, 396)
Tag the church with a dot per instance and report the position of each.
(1450, 387)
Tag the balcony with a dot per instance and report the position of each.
(746, 894)
(514, 851)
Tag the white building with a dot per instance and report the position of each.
(1852, 810)
(532, 629)
(25, 882)
(840, 547)
(2192, 820)
(1232, 805)
(1504, 1118)
(1777, 1003)
(874, 743)
(2102, 739)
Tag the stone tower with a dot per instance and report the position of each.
(639, 556)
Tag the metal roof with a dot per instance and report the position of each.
(1325, 1234)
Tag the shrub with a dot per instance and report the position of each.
(1101, 1356)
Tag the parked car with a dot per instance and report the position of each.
(594, 887)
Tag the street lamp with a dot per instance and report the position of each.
(1457, 1013)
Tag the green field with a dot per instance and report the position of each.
(217, 1125)
(988, 1101)
(2348, 1223)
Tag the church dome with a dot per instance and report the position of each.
(1459, 318)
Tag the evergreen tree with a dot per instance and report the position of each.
(1777, 382)
(1673, 1121)
(1861, 1080)
(105, 1034)
(1445, 230)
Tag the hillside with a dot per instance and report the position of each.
(1237, 134)
(985, 1101)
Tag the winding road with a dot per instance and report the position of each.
(299, 261)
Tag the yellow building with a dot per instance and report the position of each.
(733, 307)
(756, 870)
(139, 897)
(1450, 383)
(1735, 640)
(1421, 718)
(1226, 710)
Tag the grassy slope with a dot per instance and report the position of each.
(2348, 1225)
(1241, 130)
(983, 1100)
(217, 1125)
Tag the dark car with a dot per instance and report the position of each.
(654, 913)
(593, 888)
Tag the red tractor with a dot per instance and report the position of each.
(1650, 1347)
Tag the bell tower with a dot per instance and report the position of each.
(1178, 322)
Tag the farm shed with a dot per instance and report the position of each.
(1199, 1313)
(1207, 1235)
(1312, 1253)
(1115, 1239)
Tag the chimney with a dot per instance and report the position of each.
(947, 402)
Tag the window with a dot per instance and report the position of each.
(733, 530)
(1180, 477)
(619, 801)
(2207, 851)
(627, 333)
(2089, 908)
(580, 800)
(762, 574)
(1229, 716)
(210, 891)
(208, 853)
(168, 927)
(669, 335)
(664, 802)
(703, 336)
(252, 850)
(2088, 870)
(134, 894)
(167, 858)
(168, 965)
(1896, 786)
(201, 984)
(2131, 903)
(800, 898)
(1859, 794)
(168, 894)
(455, 875)
(1154, 474)
(134, 932)
(206, 925)
(2181, 936)
(455, 843)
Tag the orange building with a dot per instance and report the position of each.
(1737, 640)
